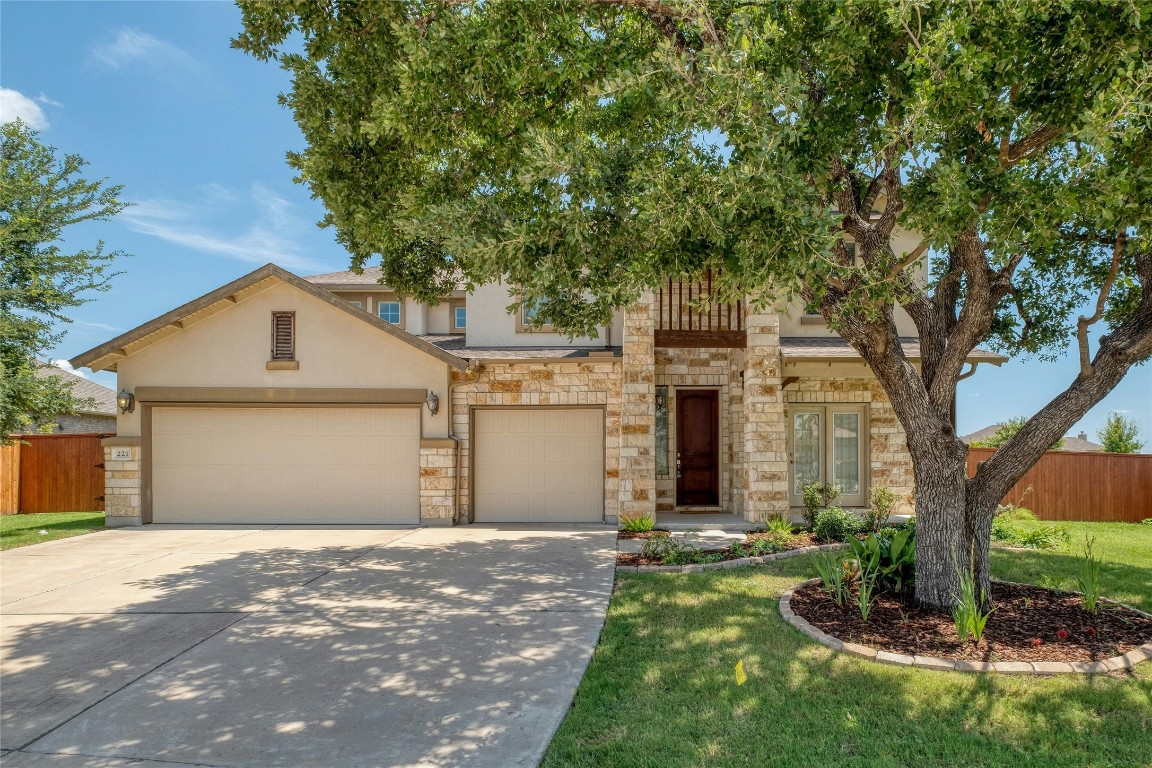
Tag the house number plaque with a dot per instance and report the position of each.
(121, 454)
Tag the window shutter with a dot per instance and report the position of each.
(283, 335)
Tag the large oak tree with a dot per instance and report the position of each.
(593, 148)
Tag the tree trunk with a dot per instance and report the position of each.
(943, 540)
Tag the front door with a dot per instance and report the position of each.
(697, 448)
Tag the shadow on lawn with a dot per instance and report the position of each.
(344, 661)
(662, 691)
(1129, 584)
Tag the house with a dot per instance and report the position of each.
(330, 399)
(1072, 443)
(97, 413)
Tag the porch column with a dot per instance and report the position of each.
(765, 449)
(638, 410)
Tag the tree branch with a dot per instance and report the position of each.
(1011, 154)
(1082, 322)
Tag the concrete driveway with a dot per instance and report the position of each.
(297, 646)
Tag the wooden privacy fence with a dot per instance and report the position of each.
(1093, 487)
(52, 473)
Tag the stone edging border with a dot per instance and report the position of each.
(1114, 664)
(738, 562)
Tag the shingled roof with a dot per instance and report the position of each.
(103, 400)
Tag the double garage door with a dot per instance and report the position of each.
(338, 465)
(286, 465)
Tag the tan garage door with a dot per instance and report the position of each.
(285, 465)
(539, 465)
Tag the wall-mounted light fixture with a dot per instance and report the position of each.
(433, 403)
(661, 397)
(126, 401)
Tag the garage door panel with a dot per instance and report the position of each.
(285, 465)
(539, 465)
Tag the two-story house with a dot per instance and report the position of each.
(329, 399)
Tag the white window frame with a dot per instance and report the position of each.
(381, 303)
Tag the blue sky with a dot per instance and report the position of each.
(153, 96)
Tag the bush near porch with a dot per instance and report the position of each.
(661, 688)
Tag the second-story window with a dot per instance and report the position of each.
(389, 311)
(528, 312)
(459, 318)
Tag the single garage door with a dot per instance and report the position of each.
(285, 465)
(542, 465)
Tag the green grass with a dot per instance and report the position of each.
(22, 530)
(661, 689)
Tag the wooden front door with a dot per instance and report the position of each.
(697, 448)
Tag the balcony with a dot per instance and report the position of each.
(680, 322)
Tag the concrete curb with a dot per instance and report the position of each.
(725, 564)
(1116, 663)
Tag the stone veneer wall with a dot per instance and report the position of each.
(765, 445)
(437, 481)
(890, 464)
(706, 369)
(583, 381)
(121, 485)
(638, 410)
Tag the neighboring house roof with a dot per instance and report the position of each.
(1073, 443)
(105, 356)
(456, 346)
(330, 280)
(797, 348)
(102, 400)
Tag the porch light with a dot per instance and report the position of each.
(433, 403)
(126, 401)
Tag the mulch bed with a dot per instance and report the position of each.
(652, 534)
(635, 559)
(1023, 615)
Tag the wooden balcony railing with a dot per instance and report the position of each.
(681, 324)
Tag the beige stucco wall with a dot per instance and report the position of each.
(903, 242)
(490, 325)
(334, 349)
(581, 382)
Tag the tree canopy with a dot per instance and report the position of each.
(1120, 434)
(586, 150)
(42, 195)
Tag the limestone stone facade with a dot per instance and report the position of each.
(121, 482)
(438, 481)
(583, 381)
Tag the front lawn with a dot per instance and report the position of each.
(661, 689)
(22, 530)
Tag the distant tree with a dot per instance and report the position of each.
(585, 151)
(1119, 435)
(40, 196)
(1006, 432)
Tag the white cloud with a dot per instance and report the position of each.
(50, 102)
(274, 233)
(132, 45)
(100, 326)
(14, 104)
(64, 365)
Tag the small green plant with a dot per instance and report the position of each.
(866, 592)
(880, 503)
(1090, 577)
(1006, 529)
(969, 615)
(889, 555)
(637, 523)
(832, 573)
(778, 524)
(1146, 521)
(817, 496)
(661, 548)
(834, 524)
(1012, 512)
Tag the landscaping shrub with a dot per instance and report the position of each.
(834, 524)
(830, 567)
(891, 557)
(880, 503)
(778, 524)
(817, 496)
(637, 523)
(969, 616)
(1006, 530)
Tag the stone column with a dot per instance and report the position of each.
(121, 481)
(638, 410)
(765, 447)
(437, 481)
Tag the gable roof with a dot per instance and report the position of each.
(105, 356)
(103, 400)
(369, 276)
